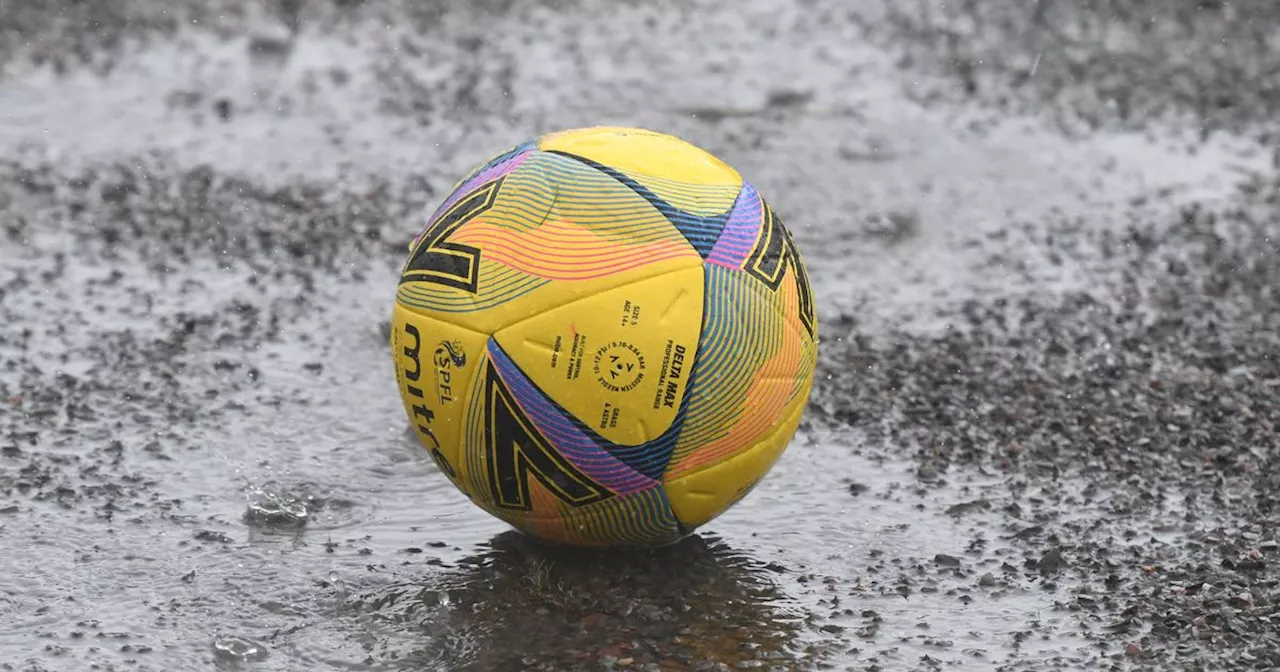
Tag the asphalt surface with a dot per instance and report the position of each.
(1043, 236)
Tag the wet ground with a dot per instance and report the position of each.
(1043, 235)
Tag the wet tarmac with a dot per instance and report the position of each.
(1043, 236)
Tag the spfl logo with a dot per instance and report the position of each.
(448, 355)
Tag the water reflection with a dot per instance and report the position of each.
(520, 604)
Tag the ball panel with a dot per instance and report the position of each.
(755, 240)
(584, 456)
(642, 518)
(507, 456)
(617, 359)
(709, 201)
(704, 210)
(741, 230)
(543, 520)
(530, 465)
(648, 459)
(499, 285)
(556, 230)
(752, 364)
(698, 497)
(640, 152)
(552, 186)
(476, 481)
(435, 363)
(567, 251)
(493, 168)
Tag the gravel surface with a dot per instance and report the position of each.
(1044, 238)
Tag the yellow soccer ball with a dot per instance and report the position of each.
(604, 337)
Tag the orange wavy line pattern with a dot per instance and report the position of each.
(766, 399)
(546, 516)
(560, 250)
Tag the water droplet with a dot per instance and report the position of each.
(238, 649)
(339, 586)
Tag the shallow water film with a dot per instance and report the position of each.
(1043, 237)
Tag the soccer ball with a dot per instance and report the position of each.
(604, 337)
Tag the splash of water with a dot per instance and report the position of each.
(238, 649)
(270, 505)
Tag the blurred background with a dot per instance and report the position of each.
(1042, 235)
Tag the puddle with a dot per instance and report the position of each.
(210, 466)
